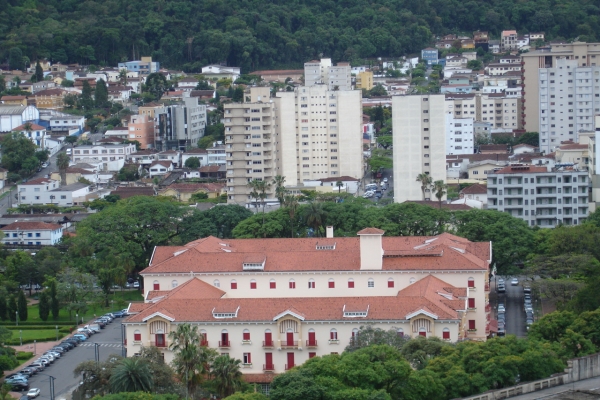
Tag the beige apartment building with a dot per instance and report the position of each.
(364, 80)
(586, 54)
(338, 77)
(419, 144)
(311, 133)
(498, 109)
(141, 128)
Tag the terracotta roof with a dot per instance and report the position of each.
(169, 152)
(370, 231)
(209, 168)
(194, 187)
(126, 192)
(73, 170)
(196, 300)
(33, 127)
(51, 92)
(164, 163)
(9, 98)
(210, 254)
(489, 147)
(475, 189)
(30, 225)
(38, 181)
(575, 146)
(521, 169)
(196, 151)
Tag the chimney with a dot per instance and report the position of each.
(329, 232)
(371, 249)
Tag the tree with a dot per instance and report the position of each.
(3, 307)
(131, 375)
(475, 65)
(54, 301)
(12, 308)
(259, 192)
(439, 187)
(368, 336)
(123, 77)
(226, 375)
(44, 306)
(39, 72)
(15, 59)
(22, 306)
(17, 151)
(385, 141)
(62, 162)
(531, 138)
(2, 84)
(378, 90)
(101, 94)
(85, 98)
(290, 202)
(238, 95)
(279, 182)
(129, 173)
(314, 216)
(204, 85)
(426, 183)
(156, 85)
(339, 185)
(192, 163)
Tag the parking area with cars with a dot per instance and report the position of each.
(58, 362)
(376, 191)
(512, 299)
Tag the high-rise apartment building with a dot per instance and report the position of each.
(539, 195)
(498, 109)
(585, 54)
(311, 133)
(338, 77)
(459, 135)
(419, 143)
(569, 99)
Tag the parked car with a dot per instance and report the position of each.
(81, 337)
(100, 323)
(55, 354)
(93, 327)
(385, 180)
(28, 371)
(501, 289)
(136, 284)
(501, 308)
(514, 282)
(119, 314)
(527, 289)
(18, 386)
(39, 366)
(501, 331)
(33, 393)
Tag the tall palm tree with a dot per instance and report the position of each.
(339, 185)
(279, 182)
(191, 359)
(290, 201)
(62, 162)
(426, 182)
(259, 192)
(439, 187)
(314, 215)
(226, 375)
(131, 375)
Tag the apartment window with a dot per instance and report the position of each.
(252, 284)
(371, 283)
(246, 335)
(471, 283)
(472, 324)
(333, 335)
(350, 283)
(311, 283)
(137, 336)
(247, 358)
(471, 303)
(292, 284)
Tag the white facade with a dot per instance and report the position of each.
(13, 116)
(459, 135)
(32, 233)
(113, 152)
(338, 77)
(48, 191)
(419, 144)
(568, 100)
(200, 154)
(68, 124)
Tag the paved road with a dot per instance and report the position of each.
(62, 369)
(513, 301)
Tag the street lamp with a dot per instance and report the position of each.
(21, 336)
(56, 332)
(76, 319)
(34, 347)
(17, 314)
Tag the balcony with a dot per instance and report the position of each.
(311, 343)
(289, 344)
(268, 343)
(269, 367)
(224, 343)
(289, 366)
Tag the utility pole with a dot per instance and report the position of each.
(97, 352)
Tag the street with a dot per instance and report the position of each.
(513, 301)
(62, 369)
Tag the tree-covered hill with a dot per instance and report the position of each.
(257, 34)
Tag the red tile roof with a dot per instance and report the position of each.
(164, 163)
(475, 189)
(194, 187)
(575, 146)
(370, 231)
(31, 225)
(521, 169)
(38, 181)
(33, 127)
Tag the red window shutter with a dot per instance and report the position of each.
(272, 285)
(157, 286)
(471, 324)
(246, 335)
(252, 285)
(390, 283)
(423, 334)
(311, 355)
(446, 335)
(351, 284)
(333, 335)
(137, 337)
(471, 303)
(471, 283)
(331, 284)
(234, 285)
(292, 285)
(249, 358)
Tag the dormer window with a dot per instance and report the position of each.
(254, 265)
(226, 314)
(356, 313)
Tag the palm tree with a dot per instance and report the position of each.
(226, 375)
(259, 192)
(440, 190)
(290, 201)
(131, 375)
(279, 182)
(339, 185)
(191, 358)
(426, 182)
(314, 215)
(62, 162)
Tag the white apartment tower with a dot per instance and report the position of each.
(311, 133)
(569, 99)
(459, 135)
(338, 77)
(419, 143)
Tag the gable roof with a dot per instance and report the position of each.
(476, 188)
(31, 225)
(33, 127)
(164, 163)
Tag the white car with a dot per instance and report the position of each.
(501, 308)
(33, 393)
(514, 282)
(385, 180)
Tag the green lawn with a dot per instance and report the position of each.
(41, 335)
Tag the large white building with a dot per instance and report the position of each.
(12, 116)
(311, 133)
(338, 77)
(419, 143)
(49, 191)
(569, 99)
(275, 303)
(32, 233)
(459, 135)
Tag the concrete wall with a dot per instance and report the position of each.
(577, 369)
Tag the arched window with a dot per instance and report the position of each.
(355, 332)
(272, 284)
(203, 338)
(471, 283)
(224, 342)
(400, 332)
(422, 332)
(391, 282)
(233, 284)
(312, 338)
(412, 280)
(292, 284)
(155, 285)
(446, 334)
(252, 284)
(216, 283)
(311, 283)
(137, 336)
(246, 335)
(333, 334)
(268, 338)
(331, 283)
(174, 284)
(351, 283)
(371, 283)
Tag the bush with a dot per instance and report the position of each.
(7, 363)
(24, 355)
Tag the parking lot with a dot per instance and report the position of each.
(109, 342)
(513, 300)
